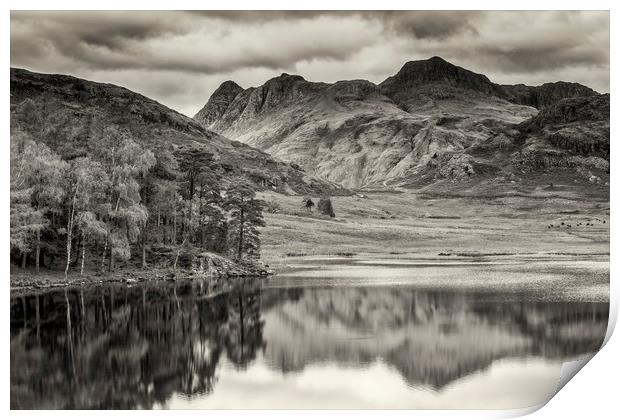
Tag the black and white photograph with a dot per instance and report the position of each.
(306, 209)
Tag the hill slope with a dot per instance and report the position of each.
(572, 132)
(68, 113)
(416, 127)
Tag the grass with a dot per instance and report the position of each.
(411, 224)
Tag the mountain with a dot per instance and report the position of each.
(68, 114)
(440, 79)
(219, 102)
(417, 81)
(431, 121)
(544, 95)
(574, 132)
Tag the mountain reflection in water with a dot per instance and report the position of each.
(116, 346)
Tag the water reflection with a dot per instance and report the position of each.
(140, 347)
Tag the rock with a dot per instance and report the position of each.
(579, 125)
(459, 166)
(218, 103)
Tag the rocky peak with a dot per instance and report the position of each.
(579, 125)
(569, 110)
(218, 103)
(228, 87)
(432, 71)
(284, 82)
(278, 91)
(353, 89)
(544, 95)
(289, 77)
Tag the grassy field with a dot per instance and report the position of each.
(543, 221)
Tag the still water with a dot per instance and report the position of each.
(325, 335)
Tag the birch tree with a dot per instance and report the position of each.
(124, 161)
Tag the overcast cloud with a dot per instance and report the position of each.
(180, 58)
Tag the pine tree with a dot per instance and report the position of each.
(246, 216)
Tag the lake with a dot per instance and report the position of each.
(326, 333)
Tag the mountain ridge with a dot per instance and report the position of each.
(415, 126)
(434, 69)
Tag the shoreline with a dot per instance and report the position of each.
(27, 282)
(285, 261)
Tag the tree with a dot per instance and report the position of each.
(124, 161)
(90, 228)
(165, 203)
(211, 226)
(246, 216)
(36, 191)
(200, 192)
(193, 162)
(25, 220)
(325, 207)
(307, 203)
(85, 183)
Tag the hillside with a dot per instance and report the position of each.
(68, 114)
(432, 121)
(579, 125)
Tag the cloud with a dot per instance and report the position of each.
(424, 24)
(181, 41)
(421, 24)
(180, 57)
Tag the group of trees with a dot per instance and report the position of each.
(324, 206)
(118, 199)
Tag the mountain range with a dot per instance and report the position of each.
(431, 121)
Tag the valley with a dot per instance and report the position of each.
(436, 162)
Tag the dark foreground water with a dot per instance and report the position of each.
(275, 343)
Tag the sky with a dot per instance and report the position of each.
(179, 58)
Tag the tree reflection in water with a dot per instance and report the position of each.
(116, 346)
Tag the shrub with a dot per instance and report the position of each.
(325, 207)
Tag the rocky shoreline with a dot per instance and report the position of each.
(210, 268)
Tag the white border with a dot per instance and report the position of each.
(592, 395)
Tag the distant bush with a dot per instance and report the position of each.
(325, 207)
(307, 204)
